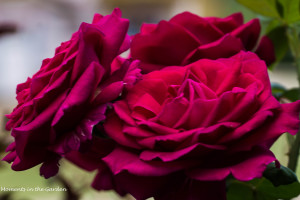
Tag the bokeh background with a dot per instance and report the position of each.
(30, 30)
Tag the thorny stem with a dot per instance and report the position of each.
(294, 43)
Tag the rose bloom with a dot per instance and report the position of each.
(187, 38)
(180, 131)
(59, 106)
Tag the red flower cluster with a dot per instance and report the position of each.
(201, 109)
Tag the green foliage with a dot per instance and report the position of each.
(279, 39)
(291, 11)
(277, 90)
(280, 176)
(292, 94)
(282, 14)
(263, 7)
(280, 92)
(240, 190)
(261, 189)
(276, 183)
(285, 10)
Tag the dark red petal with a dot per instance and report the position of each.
(10, 157)
(148, 28)
(196, 149)
(50, 167)
(286, 119)
(222, 48)
(70, 112)
(91, 158)
(161, 46)
(114, 129)
(124, 160)
(265, 50)
(248, 33)
(114, 29)
(244, 166)
(227, 24)
(205, 31)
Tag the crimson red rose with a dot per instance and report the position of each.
(180, 131)
(59, 106)
(187, 38)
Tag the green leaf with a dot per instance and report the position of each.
(280, 41)
(264, 7)
(280, 176)
(240, 190)
(279, 8)
(272, 24)
(261, 189)
(292, 94)
(267, 190)
(277, 90)
(291, 12)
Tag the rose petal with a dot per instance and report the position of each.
(109, 93)
(91, 159)
(138, 132)
(205, 31)
(114, 29)
(50, 167)
(265, 50)
(105, 180)
(122, 110)
(124, 160)
(148, 28)
(285, 120)
(146, 107)
(222, 48)
(70, 111)
(251, 165)
(258, 119)
(182, 139)
(10, 157)
(90, 39)
(227, 24)
(172, 112)
(20, 165)
(196, 149)
(161, 46)
(114, 129)
(11, 147)
(248, 33)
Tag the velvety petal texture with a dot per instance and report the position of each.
(180, 131)
(59, 106)
(187, 38)
(190, 106)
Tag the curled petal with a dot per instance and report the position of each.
(196, 149)
(161, 47)
(223, 47)
(203, 30)
(132, 164)
(265, 50)
(248, 33)
(251, 165)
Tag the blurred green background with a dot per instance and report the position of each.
(32, 29)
